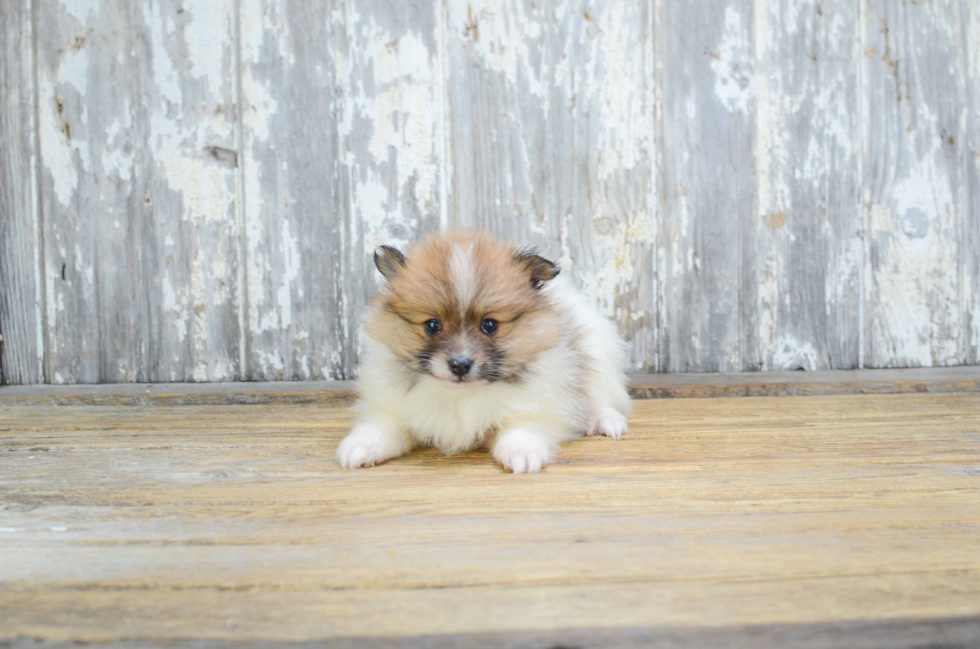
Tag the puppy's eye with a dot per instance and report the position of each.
(432, 327)
(489, 326)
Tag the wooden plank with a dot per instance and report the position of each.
(137, 136)
(553, 138)
(644, 386)
(709, 104)
(293, 203)
(954, 633)
(971, 154)
(914, 185)
(234, 524)
(21, 332)
(805, 240)
(344, 151)
(699, 183)
(396, 158)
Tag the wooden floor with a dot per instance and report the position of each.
(798, 521)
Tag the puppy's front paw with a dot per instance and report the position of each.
(522, 451)
(366, 445)
(610, 423)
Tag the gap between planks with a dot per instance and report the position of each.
(643, 386)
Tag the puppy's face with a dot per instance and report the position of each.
(465, 309)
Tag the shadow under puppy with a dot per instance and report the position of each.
(475, 342)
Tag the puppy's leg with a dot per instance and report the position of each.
(610, 422)
(525, 448)
(614, 405)
(371, 441)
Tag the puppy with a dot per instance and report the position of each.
(474, 342)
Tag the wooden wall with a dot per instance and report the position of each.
(190, 191)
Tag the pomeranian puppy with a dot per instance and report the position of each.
(475, 342)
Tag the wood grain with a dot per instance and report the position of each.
(233, 524)
(750, 185)
(970, 17)
(395, 149)
(294, 204)
(805, 240)
(709, 161)
(553, 143)
(643, 386)
(21, 297)
(344, 152)
(914, 183)
(136, 106)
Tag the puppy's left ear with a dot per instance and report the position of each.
(538, 268)
(389, 261)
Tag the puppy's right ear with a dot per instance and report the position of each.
(538, 268)
(389, 261)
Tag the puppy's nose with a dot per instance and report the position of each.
(460, 366)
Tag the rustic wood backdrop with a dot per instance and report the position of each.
(190, 191)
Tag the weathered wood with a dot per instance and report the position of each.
(954, 633)
(396, 157)
(136, 109)
(643, 386)
(293, 201)
(553, 138)
(951, 633)
(21, 296)
(914, 183)
(344, 151)
(709, 103)
(757, 184)
(234, 524)
(804, 248)
(970, 16)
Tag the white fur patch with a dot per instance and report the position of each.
(370, 443)
(522, 451)
(610, 423)
(463, 275)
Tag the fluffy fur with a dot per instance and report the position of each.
(552, 370)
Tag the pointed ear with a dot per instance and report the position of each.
(539, 269)
(389, 261)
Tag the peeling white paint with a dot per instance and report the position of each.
(768, 284)
(273, 360)
(791, 354)
(914, 292)
(403, 116)
(165, 76)
(624, 113)
(732, 63)
(208, 34)
(261, 20)
(564, 77)
(291, 268)
(501, 37)
(80, 10)
(971, 282)
(174, 306)
(259, 108)
(619, 241)
(117, 158)
(57, 144)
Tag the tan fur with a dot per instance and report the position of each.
(549, 369)
(502, 289)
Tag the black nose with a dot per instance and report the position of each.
(460, 366)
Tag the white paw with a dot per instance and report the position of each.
(522, 451)
(610, 423)
(366, 445)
